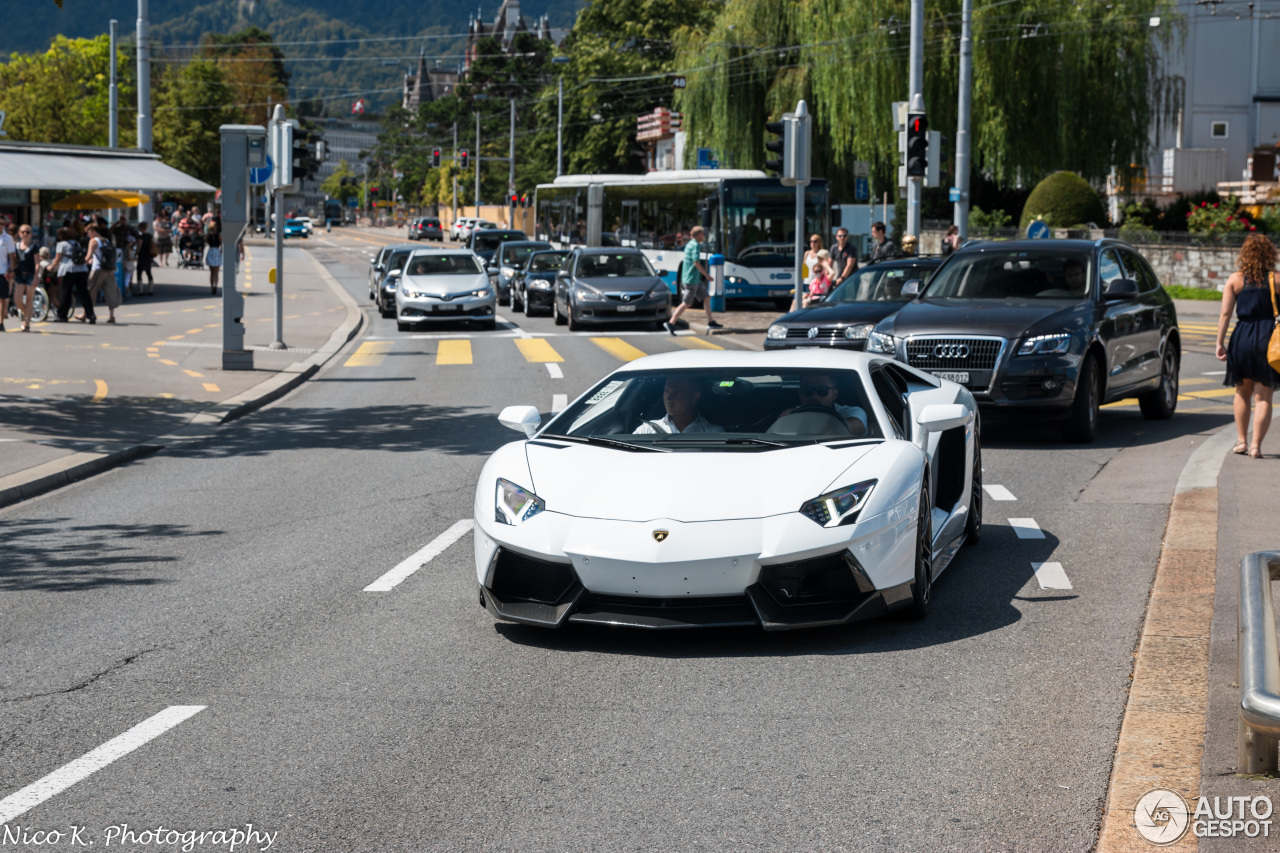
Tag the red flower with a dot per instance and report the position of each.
(1215, 204)
(1253, 227)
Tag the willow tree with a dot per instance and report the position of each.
(1055, 85)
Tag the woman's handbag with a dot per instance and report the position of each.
(1273, 347)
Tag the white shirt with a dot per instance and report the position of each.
(7, 248)
(699, 424)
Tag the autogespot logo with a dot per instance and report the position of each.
(1161, 816)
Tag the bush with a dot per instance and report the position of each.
(1174, 217)
(979, 218)
(1063, 200)
(1218, 218)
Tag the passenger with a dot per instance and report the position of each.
(822, 391)
(680, 397)
(1074, 271)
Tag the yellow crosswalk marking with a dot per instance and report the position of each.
(537, 350)
(194, 331)
(454, 352)
(690, 342)
(100, 390)
(168, 362)
(193, 374)
(211, 388)
(1185, 382)
(369, 354)
(618, 348)
(1120, 404)
(1217, 392)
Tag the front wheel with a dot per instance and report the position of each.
(1160, 404)
(1081, 425)
(555, 312)
(40, 305)
(922, 588)
(574, 325)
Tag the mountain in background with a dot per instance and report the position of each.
(342, 72)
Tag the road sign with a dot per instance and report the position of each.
(861, 189)
(953, 194)
(861, 169)
(260, 176)
(677, 82)
(707, 159)
(1038, 230)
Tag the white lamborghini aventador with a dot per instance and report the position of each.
(783, 489)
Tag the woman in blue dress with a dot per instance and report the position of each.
(1251, 291)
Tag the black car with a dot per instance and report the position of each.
(507, 261)
(846, 317)
(385, 295)
(1054, 328)
(533, 287)
(609, 286)
(379, 266)
(426, 228)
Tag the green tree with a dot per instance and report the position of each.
(332, 185)
(191, 105)
(253, 67)
(1063, 200)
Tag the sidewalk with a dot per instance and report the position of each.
(76, 398)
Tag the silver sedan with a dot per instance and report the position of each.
(444, 285)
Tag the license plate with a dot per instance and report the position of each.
(622, 309)
(786, 292)
(446, 307)
(955, 376)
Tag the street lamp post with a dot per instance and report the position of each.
(560, 60)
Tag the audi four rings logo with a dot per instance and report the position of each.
(951, 351)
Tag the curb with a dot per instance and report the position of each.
(1162, 732)
(24, 485)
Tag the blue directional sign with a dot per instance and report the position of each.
(260, 176)
(953, 194)
(861, 189)
(1038, 230)
(707, 159)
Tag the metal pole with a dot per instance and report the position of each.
(477, 165)
(961, 214)
(511, 170)
(144, 92)
(113, 129)
(799, 270)
(560, 127)
(277, 127)
(915, 86)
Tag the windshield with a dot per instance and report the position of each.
(397, 259)
(547, 261)
(455, 264)
(614, 266)
(879, 284)
(1049, 273)
(515, 256)
(694, 409)
(760, 222)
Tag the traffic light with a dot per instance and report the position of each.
(515, 200)
(435, 158)
(917, 145)
(777, 146)
(524, 200)
(462, 158)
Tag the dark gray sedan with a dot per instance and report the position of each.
(601, 286)
(507, 262)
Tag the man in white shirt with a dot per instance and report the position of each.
(8, 268)
(680, 397)
(820, 390)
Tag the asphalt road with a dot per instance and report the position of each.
(229, 576)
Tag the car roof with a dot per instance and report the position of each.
(912, 261)
(480, 231)
(518, 243)
(1026, 245)
(616, 250)
(420, 250)
(747, 360)
(393, 246)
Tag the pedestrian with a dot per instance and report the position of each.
(8, 271)
(1251, 291)
(884, 248)
(811, 256)
(951, 240)
(102, 272)
(844, 258)
(213, 258)
(693, 278)
(820, 285)
(147, 252)
(73, 272)
(27, 254)
(164, 238)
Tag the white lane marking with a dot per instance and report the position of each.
(435, 548)
(94, 760)
(998, 493)
(1051, 576)
(554, 370)
(1215, 373)
(514, 326)
(558, 402)
(1026, 528)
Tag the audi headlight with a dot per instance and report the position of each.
(858, 332)
(588, 294)
(839, 507)
(777, 332)
(1045, 345)
(515, 504)
(882, 343)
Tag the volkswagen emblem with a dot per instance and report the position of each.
(951, 351)
(813, 332)
(661, 535)
(626, 297)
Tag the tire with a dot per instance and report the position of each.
(973, 525)
(922, 587)
(402, 326)
(1160, 404)
(1081, 425)
(555, 312)
(39, 305)
(517, 304)
(574, 325)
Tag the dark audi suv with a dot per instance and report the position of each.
(1054, 328)
(846, 317)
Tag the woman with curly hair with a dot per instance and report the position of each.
(1251, 291)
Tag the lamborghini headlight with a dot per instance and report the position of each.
(839, 507)
(515, 504)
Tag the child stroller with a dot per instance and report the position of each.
(191, 251)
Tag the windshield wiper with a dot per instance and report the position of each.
(600, 441)
(711, 439)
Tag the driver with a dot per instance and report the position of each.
(821, 390)
(1074, 271)
(680, 397)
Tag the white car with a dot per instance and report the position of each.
(307, 224)
(782, 489)
(455, 230)
(443, 284)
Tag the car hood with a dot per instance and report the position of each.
(1007, 318)
(620, 285)
(441, 284)
(840, 313)
(619, 485)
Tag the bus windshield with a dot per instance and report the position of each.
(760, 221)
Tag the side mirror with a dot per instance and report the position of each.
(912, 287)
(395, 273)
(1120, 288)
(521, 419)
(939, 417)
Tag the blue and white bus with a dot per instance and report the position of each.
(749, 218)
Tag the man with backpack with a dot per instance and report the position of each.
(102, 271)
(69, 261)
